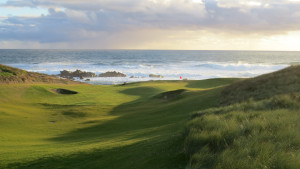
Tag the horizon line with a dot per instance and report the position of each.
(246, 50)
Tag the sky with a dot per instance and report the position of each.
(151, 24)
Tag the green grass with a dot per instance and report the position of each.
(259, 127)
(264, 86)
(250, 135)
(109, 127)
(6, 74)
(10, 75)
(251, 123)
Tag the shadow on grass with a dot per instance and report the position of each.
(139, 155)
(153, 125)
(141, 91)
(143, 115)
(210, 83)
(146, 115)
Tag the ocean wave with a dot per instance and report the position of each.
(240, 66)
(170, 71)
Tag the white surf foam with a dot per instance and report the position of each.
(170, 71)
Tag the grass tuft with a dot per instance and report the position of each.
(257, 128)
(285, 81)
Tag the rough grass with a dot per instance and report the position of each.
(10, 75)
(5, 74)
(258, 129)
(262, 134)
(100, 126)
(264, 86)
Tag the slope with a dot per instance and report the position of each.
(10, 75)
(264, 86)
(259, 129)
(131, 126)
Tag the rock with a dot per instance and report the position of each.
(112, 74)
(77, 73)
(155, 76)
(65, 74)
(87, 80)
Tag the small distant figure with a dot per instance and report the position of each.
(180, 78)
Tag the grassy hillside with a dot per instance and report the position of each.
(138, 125)
(10, 75)
(259, 129)
(251, 123)
(264, 86)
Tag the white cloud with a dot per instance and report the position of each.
(112, 21)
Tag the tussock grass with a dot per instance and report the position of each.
(10, 75)
(262, 134)
(262, 87)
(259, 127)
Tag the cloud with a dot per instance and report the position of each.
(253, 16)
(98, 20)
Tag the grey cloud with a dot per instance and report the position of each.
(21, 3)
(81, 17)
(275, 18)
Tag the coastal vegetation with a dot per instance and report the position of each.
(10, 75)
(214, 123)
(258, 127)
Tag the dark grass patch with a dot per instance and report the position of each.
(141, 91)
(210, 83)
(91, 122)
(170, 94)
(74, 114)
(58, 106)
(65, 91)
(137, 155)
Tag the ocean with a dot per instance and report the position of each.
(138, 64)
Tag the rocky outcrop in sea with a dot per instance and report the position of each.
(112, 74)
(155, 76)
(77, 73)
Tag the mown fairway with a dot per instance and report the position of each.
(131, 126)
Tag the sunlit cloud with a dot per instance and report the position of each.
(149, 23)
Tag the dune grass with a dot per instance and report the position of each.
(262, 134)
(11, 75)
(4, 74)
(259, 127)
(264, 86)
(109, 127)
